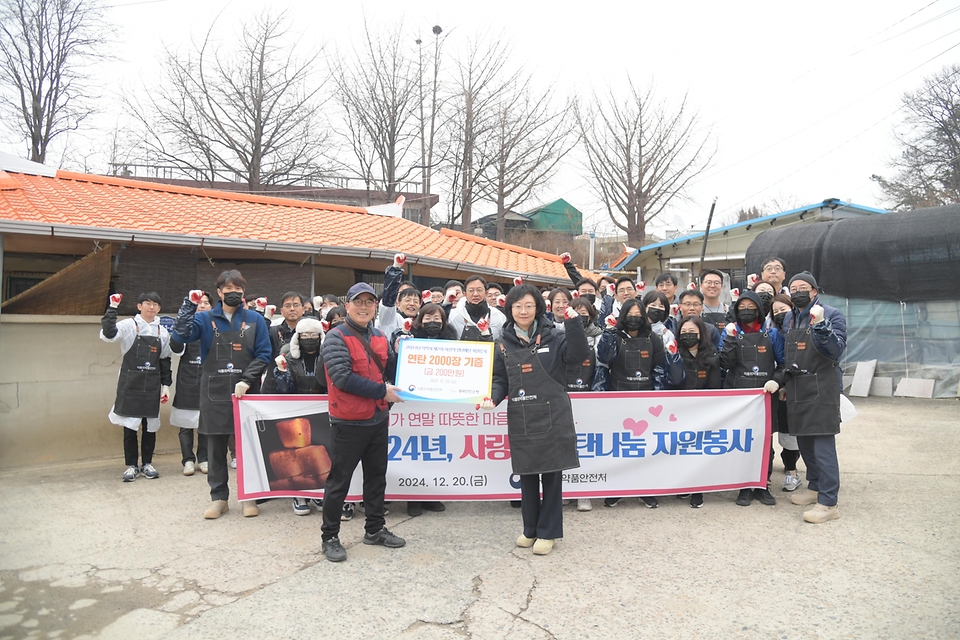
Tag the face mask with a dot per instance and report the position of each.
(779, 318)
(233, 299)
(585, 320)
(633, 323)
(688, 340)
(801, 298)
(589, 297)
(766, 299)
(432, 328)
(655, 315)
(478, 310)
(309, 344)
(747, 315)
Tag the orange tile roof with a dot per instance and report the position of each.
(152, 212)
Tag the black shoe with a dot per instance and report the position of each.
(515, 504)
(385, 538)
(696, 500)
(433, 506)
(650, 502)
(333, 550)
(683, 496)
(414, 509)
(610, 502)
(763, 495)
(745, 497)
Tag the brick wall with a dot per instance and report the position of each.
(169, 271)
(270, 279)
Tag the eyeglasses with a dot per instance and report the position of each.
(309, 335)
(711, 283)
(294, 305)
(524, 307)
(772, 268)
(691, 304)
(364, 303)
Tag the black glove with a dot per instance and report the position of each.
(108, 323)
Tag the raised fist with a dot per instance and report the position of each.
(451, 296)
(610, 321)
(487, 404)
(735, 294)
(325, 325)
(674, 309)
(164, 394)
(407, 324)
(692, 286)
(317, 303)
(752, 279)
(565, 258)
(115, 300)
(611, 289)
(501, 300)
(641, 285)
(570, 313)
(271, 309)
(426, 296)
(261, 303)
(195, 295)
(576, 294)
(483, 323)
(518, 281)
(730, 329)
(671, 346)
(281, 363)
(549, 305)
(816, 314)
(399, 259)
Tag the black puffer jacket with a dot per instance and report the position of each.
(557, 350)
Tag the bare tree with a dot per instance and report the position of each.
(378, 88)
(46, 47)
(528, 141)
(641, 155)
(928, 168)
(251, 114)
(479, 85)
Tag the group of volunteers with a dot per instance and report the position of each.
(606, 335)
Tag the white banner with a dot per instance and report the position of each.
(630, 444)
(444, 370)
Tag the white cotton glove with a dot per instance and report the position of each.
(565, 258)
(576, 294)
(115, 300)
(195, 295)
(281, 363)
(611, 290)
(674, 309)
(270, 311)
(771, 387)
(671, 346)
(692, 286)
(610, 321)
(164, 394)
(641, 285)
(730, 329)
(317, 303)
(261, 304)
(483, 324)
(426, 296)
(816, 314)
(408, 324)
(241, 388)
(399, 259)
(451, 296)
(752, 279)
(570, 313)
(518, 281)
(487, 404)
(735, 294)
(549, 305)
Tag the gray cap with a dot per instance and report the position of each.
(807, 277)
(357, 289)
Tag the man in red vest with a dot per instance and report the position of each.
(358, 360)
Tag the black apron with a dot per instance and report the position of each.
(230, 353)
(633, 368)
(543, 438)
(695, 377)
(307, 381)
(716, 318)
(188, 379)
(472, 333)
(138, 388)
(579, 376)
(756, 363)
(813, 387)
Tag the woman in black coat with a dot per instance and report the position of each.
(529, 368)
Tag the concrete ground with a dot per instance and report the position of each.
(84, 555)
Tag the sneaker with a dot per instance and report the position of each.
(233, 463)
(683, 496)
(385, 538)
(542, 547)
(524, 542)
(436, 507)
(347, 513)
(131, 473)
(317, 503)
(149, 472)
(696, 500)
(765, 497)
(189, 468)
(515, 504)
(204, 466)
(414, 509)
(649, 502)
(610, 502)
(584, 504)
(804, 498)
(301, 507)
(216, 509)
(333, 550)
(790, 483)
(745, 497)
(821, 513)
(250, 509)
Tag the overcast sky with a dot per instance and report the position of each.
(800, 98)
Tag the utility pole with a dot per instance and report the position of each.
(706, 234)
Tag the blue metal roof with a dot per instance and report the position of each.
(833, 203)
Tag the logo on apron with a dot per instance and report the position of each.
(579, 381)
(229, 365)
(521, 393)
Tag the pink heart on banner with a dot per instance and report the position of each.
(637, 427)
(656, 410)
(673, 418)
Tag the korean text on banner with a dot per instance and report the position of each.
(444, 370)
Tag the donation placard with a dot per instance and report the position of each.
(653, 443)
(444, 370)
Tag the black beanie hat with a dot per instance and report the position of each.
(807, 277)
